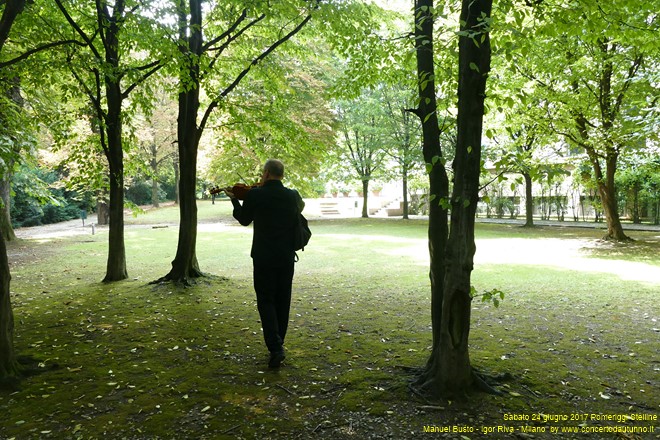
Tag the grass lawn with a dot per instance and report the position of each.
(578, 331)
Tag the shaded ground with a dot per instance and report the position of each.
(144, 362)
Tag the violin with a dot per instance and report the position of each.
(239, 190)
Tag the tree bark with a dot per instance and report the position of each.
(9, 369)
(529, 201)
(405, 194)
(6, 229)
(11, 11)
(448, 371)
(8, 365)
(438, 182)
(365, 197)
(607, 192)
(116, 265)
(185, 267)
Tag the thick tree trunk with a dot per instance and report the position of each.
(184, 266)
(529, 201)
(365, 198)
(9, 369)
(14, 95)
(456, 374)
(102, 213)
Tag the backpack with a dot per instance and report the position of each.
(301, 233)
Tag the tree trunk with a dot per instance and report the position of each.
(184, 266)
(177, 180)
(153, 163)
(9, 369)
(405, 194)
(102, 213)
(607, 192)
(448, 371)
(6, 229)
(636, 218)
(365, 197)
(529, 201)
(438, 182)
(116, 267)
(14, 95)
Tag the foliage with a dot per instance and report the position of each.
(639, 185)
(139, 193)
(597, 86)
(293, 124)
(39, 198)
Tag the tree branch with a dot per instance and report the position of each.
(154, 67)
(31, 52)
(233, 38)
(12, 10)
(245, 71)
(226, 34)
(77, 28)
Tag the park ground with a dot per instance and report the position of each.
(577, 332)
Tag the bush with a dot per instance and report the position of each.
(139, 193)
(37, 199)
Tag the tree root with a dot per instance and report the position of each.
(26, 366)
(424, 383)
(481, 383)
(187, 281)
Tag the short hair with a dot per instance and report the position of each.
(274, 167)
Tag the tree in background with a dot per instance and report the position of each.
(107, 81)
(598, 84)
(639, 185)
(363, 140)
(404, 135)
(156, 138)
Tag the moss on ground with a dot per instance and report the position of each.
(133, 360)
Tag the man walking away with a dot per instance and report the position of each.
(274, 210)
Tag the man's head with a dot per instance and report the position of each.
(273, 170)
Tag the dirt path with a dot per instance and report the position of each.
(62, 229)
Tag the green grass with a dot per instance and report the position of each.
(133, 360)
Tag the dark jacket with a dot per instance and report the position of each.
(273, 209)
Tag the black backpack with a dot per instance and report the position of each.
(301, 233)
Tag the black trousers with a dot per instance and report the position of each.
(273, 288)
